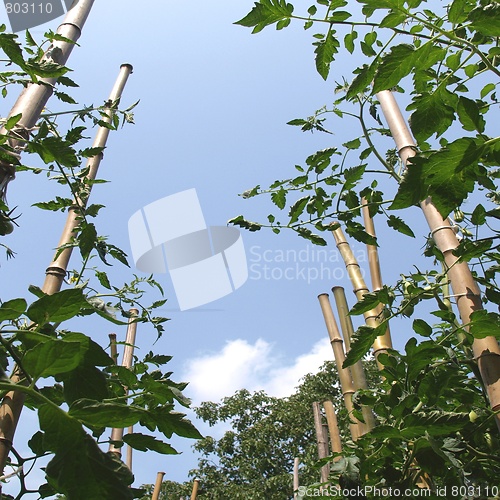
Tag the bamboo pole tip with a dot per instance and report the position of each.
(112, 336)
(129, 66)
(337, 288)
(134, 312)
(322, 295)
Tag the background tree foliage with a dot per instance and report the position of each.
(67, 378)
(434, 418)
(254, 458)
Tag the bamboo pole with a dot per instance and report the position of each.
(34, 97)
(128, 354)
(194, 492)
(295, 478)
(373, 260)
(112, 347)
(130, 430)
(383, 342)
(465, 289)
(333, 428)
(356, 427)
(357, 370)
(13, 402)
(322, 442)
(56, 272)
(157, 488)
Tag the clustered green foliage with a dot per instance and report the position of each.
(254, 458)
(70, 381)
(442, 60)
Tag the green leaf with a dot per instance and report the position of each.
(12, 49)
(52, 357)
(279, 198)
(399, 225)
(245, 224)
(13, 121)
(435, 423)
(87, 239)
(422, 328)
(57, 307)
(433, 113)
(469, 115)
(297, 209)
(54, 205)
(362, 341)
(12, 309)
(362, 80)
(325, 52)
(309, 235)
(105, 414)
(265, 13)
(478, 216)
(367, 303)
(77, 455)
(143, 442)
(486, 19)
(394, 67)
(484, 324)
(349, 41)
(448, 176)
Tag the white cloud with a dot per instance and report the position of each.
(241, 365)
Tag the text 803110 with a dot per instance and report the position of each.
(28, 8)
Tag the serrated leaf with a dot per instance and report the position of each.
(87, 239)
(399, 225)
(12, 309)
(52, 357)
(279, 198)
(106, 414)
(362, 341)
(143, 442)
(325, 52)
(265, 13)
(448, 176)
(245, 224)
(13, 121)
(484, 324)
(367, 303)
(486, 19)
(469, 115)
(297, 209)
(57, 307)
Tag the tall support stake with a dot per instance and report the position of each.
(333, 428)
(128, 355)
(157, 488)
(383, 342)
(194, 491)
(295, 478)
(465, 289)
(356, 427)
(357, 370)
(34, 97)
(322, 441)
(56, 272)
(373, 260)
(13, 402)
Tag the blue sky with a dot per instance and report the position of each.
(214, 105)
